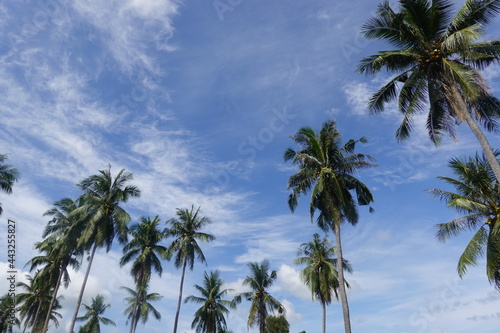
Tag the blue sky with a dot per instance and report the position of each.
(198, 100)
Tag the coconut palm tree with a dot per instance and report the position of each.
(186, 228)
(326, 170)
(436, 62)
(34, 302)
(145, 248)
(58, 250)
(94, 317)
(321, 274)
(8, 176)
(139, 305)
(7, 310)
(56, 260)
(260, 280)
(102, 217)
(210, 317)
(478, 197)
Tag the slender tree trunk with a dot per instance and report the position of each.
(180, 296)
(82, 290)
(37, 313)
(52, 301)
(340, 269)
(463, 112)
(133, 324)
(323, 305)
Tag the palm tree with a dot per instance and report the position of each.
(56, 260)
(59, 249)
(94, 316)
(321, 273)
(146, 250)
(7, 311)
(139, 307)
(260, 280)
(478, 197)
(34, 301)
(186, 228)
(436, 62)
(102, 217)
(326, 169)
(8, 176)
(210, 317)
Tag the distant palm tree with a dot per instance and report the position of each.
(102, 217)
(139, 305)
(8, 176)
(321, 273)
(326, 170)
(478, 197)
(94, 317)
(186, 228)
(147, 251)
(210, 317)
(7, 320)
(260, 280)
(437, 62)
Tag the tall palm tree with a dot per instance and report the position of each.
(437, 63)
(58, 248)
(94, 317)
(210, 317)
(139, 305)
(260, 280)
(8, 176)
(186, 228)
(326, 169)
(321, 273)
(56, 260)
(7, 321)
(478, 197)
(145, 248)
(102, 216)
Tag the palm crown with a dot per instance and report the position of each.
(478, 196)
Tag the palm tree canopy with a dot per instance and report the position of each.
(436, 61)
(210, 317)
(477, 196)
(260, 280)
(8, 176)
(93, 316)
(35, 300)
(145, 308)
(145, 248)
(186, 228)
(320, 274)
(102, 214)
(326, 169)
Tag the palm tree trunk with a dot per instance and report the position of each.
(133, 324)
(323, 305)
(180, 296)
(52, 301)
(37, 313)
(340, 269)
(82, 290)
(464, 114)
